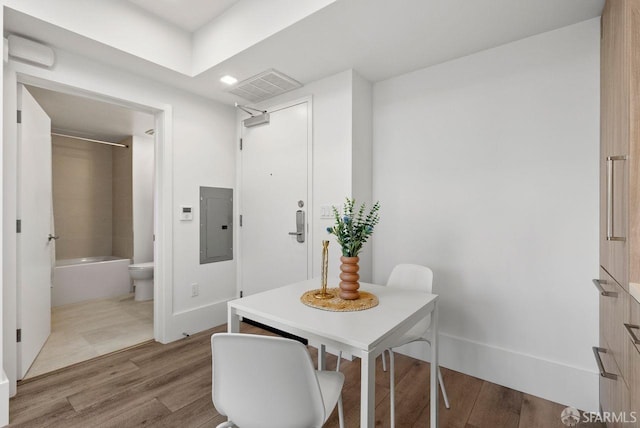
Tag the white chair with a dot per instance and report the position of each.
(416, 278)
(265, 382)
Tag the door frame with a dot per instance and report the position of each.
(16, 73)
(309, 203)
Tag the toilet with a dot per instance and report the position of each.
(142, 276)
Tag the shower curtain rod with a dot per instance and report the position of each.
(90, 140)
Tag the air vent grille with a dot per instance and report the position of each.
(264, 86)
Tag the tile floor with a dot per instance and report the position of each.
(81, 331)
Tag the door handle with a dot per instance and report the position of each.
(300, 227)
(603, 372)
(610, 163)
(603, 292)
(52, 237)
(630, 328)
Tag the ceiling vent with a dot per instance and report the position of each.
(264, 86)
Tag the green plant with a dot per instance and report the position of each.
(352, 229)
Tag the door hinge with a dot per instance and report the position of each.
(19, 335)
(18, 226)
(241, 294)
(19, 116)
(240, 143)
(240, 220)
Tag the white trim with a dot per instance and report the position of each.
(163, 224)
(310, 212)
(309, 204)
(163, 150)
(4, 399)
(163, 227)
(237, 207)
(551, 380)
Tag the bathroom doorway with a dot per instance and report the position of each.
(102, 197)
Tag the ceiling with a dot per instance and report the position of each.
(376, 38)
(188, 15)
(380, 40)
(84, 117)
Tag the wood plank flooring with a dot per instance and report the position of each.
(170, 386)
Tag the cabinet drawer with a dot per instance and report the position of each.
(610, 380)
(633, 321)
(621, 406)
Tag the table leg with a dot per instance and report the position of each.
(434, 366)
(367, 390)
(322, 357)
(233, 321)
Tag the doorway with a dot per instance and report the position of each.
(100, 174)
(276, 199)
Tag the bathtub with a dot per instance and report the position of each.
(76, 280)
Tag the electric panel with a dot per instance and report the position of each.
(216, 224)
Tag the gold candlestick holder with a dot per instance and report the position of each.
(324, 294)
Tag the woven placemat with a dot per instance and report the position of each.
(336, 304)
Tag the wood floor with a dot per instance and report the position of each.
(170, 386)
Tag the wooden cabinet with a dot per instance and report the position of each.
(614, 140)
(619, 356)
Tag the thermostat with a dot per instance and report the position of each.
(186, 212)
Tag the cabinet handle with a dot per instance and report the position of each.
(630, 328)
(603, 292)
(610, 160)
(603, 372)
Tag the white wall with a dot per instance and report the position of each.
(143, 170)
(131, 29)
(206, 157)
(361, 160)
(243, 25)
(116, 23)
(198, 149)
(487, 171)
(4, 255)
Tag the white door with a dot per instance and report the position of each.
(274, 199)
(35, 213)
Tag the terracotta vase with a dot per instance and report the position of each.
(349, 278)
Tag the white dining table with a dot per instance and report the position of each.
(364, 334)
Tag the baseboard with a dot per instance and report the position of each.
(4, 400)
(195, 320)
(551, 380)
